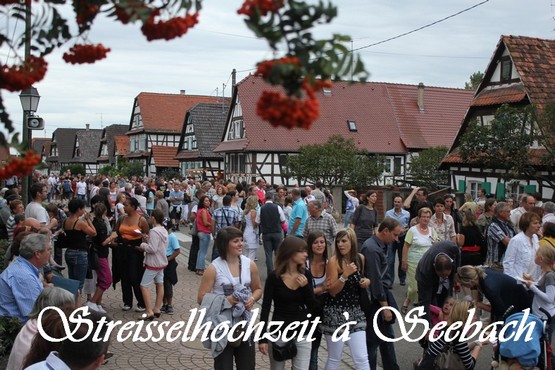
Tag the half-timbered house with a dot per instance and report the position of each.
(85, 149)
(107, 150)
(521, 72)
(393, 120)
(61, 149)
(157, 120)
(201, 134)
(41, 146)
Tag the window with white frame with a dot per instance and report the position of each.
(473, 187)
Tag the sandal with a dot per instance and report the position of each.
(200, 272)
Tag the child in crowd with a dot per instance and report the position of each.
(170, 272)
(441, 314)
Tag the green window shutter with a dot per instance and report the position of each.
(486, 186)
(529, 189)
(500, 191)
(462, 186)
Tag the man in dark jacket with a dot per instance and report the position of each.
(435, 274)
(374, 250)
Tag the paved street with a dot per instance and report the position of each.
(192, 355)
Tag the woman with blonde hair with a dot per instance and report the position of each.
(417, 241)
(250, 234)
(468, 354)
(345, 281)
(501, 290)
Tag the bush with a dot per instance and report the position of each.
(9, 327)
(3, 248)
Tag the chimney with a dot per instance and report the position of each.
(87, 126)
(420, 100)
(233, 77)
(182, 92)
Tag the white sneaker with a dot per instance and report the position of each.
(101, 309)
(93, 306)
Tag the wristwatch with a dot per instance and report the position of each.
(342, 279)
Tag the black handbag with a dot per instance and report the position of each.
(286, 351)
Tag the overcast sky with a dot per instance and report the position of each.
(200, 62)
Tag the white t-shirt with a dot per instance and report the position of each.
(82, 188)
(38, 212)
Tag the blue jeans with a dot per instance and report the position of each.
(373, 342)
(271, 242)
(348, 217)
(204, 242)
(395, 248)
(77, 264)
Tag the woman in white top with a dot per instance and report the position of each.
(521, 250)
(227, 274)
(316, 264)
(250, 234)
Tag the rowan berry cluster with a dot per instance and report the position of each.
(20, 166)
(170, 29)
(264, 7)
(21, 77)
(85, 12)
(288, 111)
(265, 68)
(80, 54)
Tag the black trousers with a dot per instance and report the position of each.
(193, 254)
(244, 357)
(131, 276)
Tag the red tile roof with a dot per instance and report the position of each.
(437, 125)
(122, 144)
(386, 115)
(166, 112)
(497, 95)
(164, 156)
(534, 60)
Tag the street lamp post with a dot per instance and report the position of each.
(29, 102)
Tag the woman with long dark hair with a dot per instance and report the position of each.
(204, 228)
(236, 277)
(76, 227)
(288, 288)
(316, 264)
(365, 218)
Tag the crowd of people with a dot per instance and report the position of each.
(314, 268)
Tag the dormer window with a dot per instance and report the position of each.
(506, 69)
(352, 125)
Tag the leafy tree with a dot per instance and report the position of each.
(475, 80)
(171, 173)
(424, 169)
(75, 169)
(132, 168)
(337, 161)
(108, 171)
(506, 142)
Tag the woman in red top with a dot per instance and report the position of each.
(204, 227)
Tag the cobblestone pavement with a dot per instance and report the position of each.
(131, 354)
